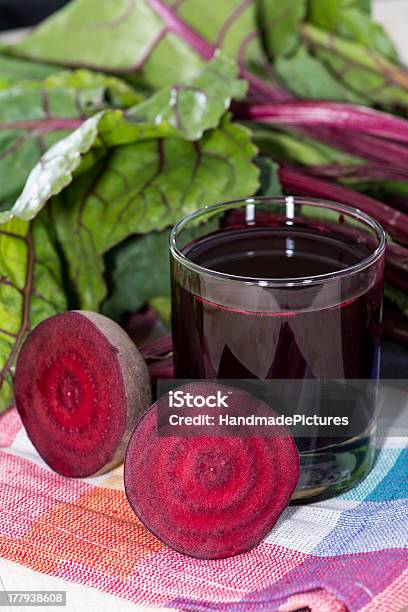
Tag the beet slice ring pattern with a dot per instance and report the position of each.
(80, 386)
(210, 497)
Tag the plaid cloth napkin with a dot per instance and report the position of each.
(347, 553)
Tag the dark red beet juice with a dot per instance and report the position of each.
(217, 340)
(287, 290)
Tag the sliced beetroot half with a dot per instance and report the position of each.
(215, 496)
(80, 386)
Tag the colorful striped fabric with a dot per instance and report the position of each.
(347, 553)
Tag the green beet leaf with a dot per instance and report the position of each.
(366, 72)
(139, 269)
(279, 23)
(364, 5)
(291, 147)
(155, 41)
(111, 177)
(162, 307)
(112, 36)
(145, 186)
(158, 43)
(140, 273)
(350, 20)
(157, 117)
(307, 77)
(54, 170)
(269, 184)
(106, 89)
(30, 290)
(377, 86)
(14, 70)
(34, 116)
(197, 104)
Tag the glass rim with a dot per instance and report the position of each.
(281, 282)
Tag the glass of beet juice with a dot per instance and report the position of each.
(282, 289)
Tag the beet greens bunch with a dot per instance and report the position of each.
(117, 117)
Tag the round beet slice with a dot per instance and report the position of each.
(80, 386)
(215, 496)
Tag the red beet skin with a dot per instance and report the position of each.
(210, 497)
(80, 386)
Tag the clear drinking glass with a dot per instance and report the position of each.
(283, 288)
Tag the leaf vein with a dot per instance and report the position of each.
(25, 309)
